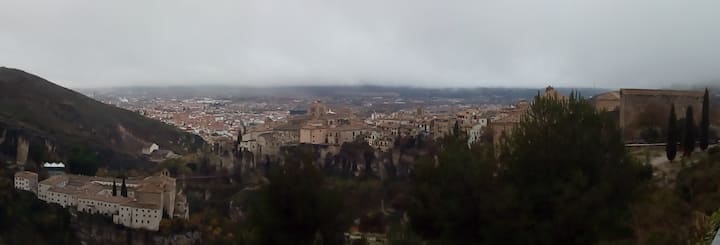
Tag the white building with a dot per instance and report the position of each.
(26, 181)
(475, 133)
(139, 216)
(149, 148)
(147, 198)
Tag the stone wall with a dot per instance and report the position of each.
(650, 108)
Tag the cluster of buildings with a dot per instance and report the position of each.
(264, 126)
(212, 119)
(320, 125)
(634, 109)
(647, 109)
(138, 203)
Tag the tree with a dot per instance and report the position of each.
(123, 188)
(114, 191)
(296, 207)
(82, 161)
(672, 135)
(705, 121)
(451, 199)
(563, 190)
(545, 187)
(456, 128)
(690, 133)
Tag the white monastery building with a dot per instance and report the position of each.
(143, 207)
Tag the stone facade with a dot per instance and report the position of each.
(609, 101)
(640, 108)
(26, 181)
(148, 198)
(475, 133)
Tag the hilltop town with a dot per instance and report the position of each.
(262, 126)
(245, 134)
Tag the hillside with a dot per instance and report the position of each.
(53, 120)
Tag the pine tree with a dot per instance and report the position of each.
(690, 134)
(547, 186)
(123, 189)
(705, 121)
(114, 193)
(298, 206)
(672, 137)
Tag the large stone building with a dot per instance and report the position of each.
(644, 108)
(319, 126)
(647, 109)
(26, 181)
(608, 101)
(143, 207)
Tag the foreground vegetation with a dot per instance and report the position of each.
(26, 220)
(563, 176)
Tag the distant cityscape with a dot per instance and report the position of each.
(263, 124)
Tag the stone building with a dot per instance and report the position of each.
(468, 118)
(442, 126)
(504, 126)
(143, 208)
(313, 132)
(475, 133)
(609, 101)
(26, 181)
(318, 126)
(318, 109)
(649, 108)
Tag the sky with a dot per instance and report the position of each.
(427, 43)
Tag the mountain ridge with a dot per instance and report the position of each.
(37, 109)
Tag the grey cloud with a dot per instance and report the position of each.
(612, 43)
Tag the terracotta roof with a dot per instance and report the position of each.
(612, 95)
(136, 204)
(26, 175)
(54, 180)
(347, 128)
(512, 117)
(106, 198)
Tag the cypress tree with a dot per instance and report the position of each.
(123, 189)
(456, 129)
(672, 135)
(705, 121)
(114, 193)
(689, 139)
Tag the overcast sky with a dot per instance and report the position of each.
(603, 43)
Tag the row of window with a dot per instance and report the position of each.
(143, 221)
